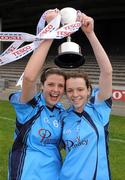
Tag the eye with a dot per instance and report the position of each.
(80, 89)
(61, 85)
(69, 90)
(51, 84)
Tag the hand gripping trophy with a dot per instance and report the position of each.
(69, 53)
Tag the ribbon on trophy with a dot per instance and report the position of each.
(50, 31)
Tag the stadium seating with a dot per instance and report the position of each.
(10, 73)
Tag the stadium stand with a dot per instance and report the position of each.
(10, 73)
(109, 17)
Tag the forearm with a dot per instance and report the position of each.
(32, 71)
(36, 61)
(105, 79)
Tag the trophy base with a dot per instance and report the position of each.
(69, 60)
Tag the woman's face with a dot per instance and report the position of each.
(77, 92)
(53, 89)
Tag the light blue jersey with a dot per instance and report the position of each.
(35, 154)
(85, 137)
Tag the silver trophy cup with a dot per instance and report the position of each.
(69, 53)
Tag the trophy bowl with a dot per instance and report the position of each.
(69, 55)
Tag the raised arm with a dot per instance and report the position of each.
(105, 79)
(34, 66)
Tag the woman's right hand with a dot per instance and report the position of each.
(51, 15)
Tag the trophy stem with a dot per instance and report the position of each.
(69, 39)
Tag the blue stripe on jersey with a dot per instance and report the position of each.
(87, 116)
(92, 99)
(109, 102)
(107, 148)
(18, 153)
(33, 102)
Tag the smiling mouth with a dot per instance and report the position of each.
(54, 97)
(76, 99)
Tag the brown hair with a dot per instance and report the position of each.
(49, 71)
(80, 74)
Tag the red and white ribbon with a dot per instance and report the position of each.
(51, 31)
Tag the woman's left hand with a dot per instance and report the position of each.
(87, 23)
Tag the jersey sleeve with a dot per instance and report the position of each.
(103, 108)
(23, 110)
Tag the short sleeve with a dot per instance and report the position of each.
(103, 108)
(23, 110)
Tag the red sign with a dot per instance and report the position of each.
(118, 95)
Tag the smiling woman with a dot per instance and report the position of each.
(38, 124)
(85, 124)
